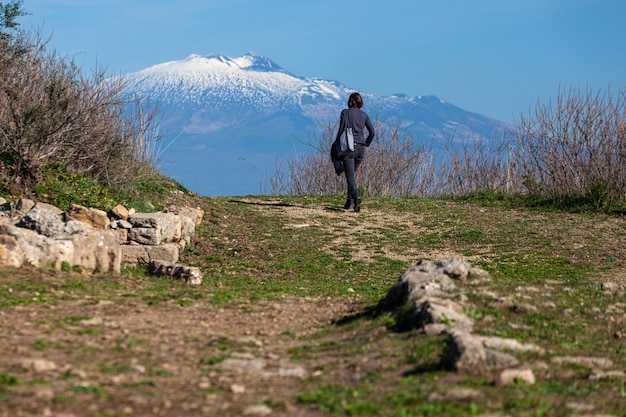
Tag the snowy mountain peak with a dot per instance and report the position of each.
(216, 63)
(233, 115)
(254, 62)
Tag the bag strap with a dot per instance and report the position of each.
(347, 111)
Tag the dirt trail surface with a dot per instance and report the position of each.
(260, 332)
(110, 358)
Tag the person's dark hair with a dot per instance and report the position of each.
(355, 100)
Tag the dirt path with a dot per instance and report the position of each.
(98, 357)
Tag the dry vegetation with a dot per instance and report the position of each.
(51, 113)
(572, 150)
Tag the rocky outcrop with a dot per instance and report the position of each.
(431, 299)
(189, 274)
(89, 239)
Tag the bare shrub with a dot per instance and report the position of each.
(474, 163)
(51, 113)
(394, 166)
(575, 145)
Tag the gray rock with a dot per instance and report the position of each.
(97, 250)
(190, 275)
(427, 278)
(155, 228)
(39, 250)
(73, 227)
(257, 410)
(142, 254)
(441, 311)
(44, 221)
(467, 353)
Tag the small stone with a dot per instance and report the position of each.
(296, 372)
(237, 389)
(39, 365)
(511, 376)
(456, 394)
(581, 407)
(257, 410)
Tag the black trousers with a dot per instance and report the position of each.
(351, 163)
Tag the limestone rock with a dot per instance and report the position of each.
(93, 217)
(143, 254)
(466, 353)
(39, 250)
(97, 250)
(190, 275)
(427, 278)
(455, 395)
(120, 212)
(511, 376)
(50, 207)
(433, 310)
(155, 228)
(44, 221)
(11, 253)
(21, 206)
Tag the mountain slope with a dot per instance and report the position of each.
(226, 120)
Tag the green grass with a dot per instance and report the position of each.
(250, 256)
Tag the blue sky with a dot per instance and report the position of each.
(494, 57)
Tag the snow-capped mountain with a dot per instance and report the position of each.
(227, 120)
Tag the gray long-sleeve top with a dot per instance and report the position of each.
(359, 121)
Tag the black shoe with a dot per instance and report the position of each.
(348, 204)
(357, 205)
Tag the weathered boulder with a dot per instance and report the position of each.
(90, 216)
(120, 212)
(21, 206)
(431, 310)
(97, 250)
(190, 275)
(143, 254)
(73, 227)
(43, 221)
(36, 234)
(586, 361)
(425, 278)
(39, 250)
(155, 228)
(49, 207)
(196, 214)
(467, 353)
(11, 253)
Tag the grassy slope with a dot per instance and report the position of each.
(255, 251)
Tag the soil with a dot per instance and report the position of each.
(133, 359)
(85, 354)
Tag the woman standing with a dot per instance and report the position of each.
(358, 121)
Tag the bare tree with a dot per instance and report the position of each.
(575, 145)
(51, 113)
(395, 165)
(474, 163)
